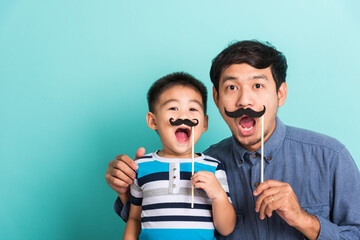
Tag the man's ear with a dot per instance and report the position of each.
(151, 120)
(215, 97)
(206, 120)
(282, 93)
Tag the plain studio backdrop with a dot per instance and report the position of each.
(74, 77)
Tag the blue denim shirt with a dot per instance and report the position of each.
(320, 170)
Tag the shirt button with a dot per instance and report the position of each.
(254, 156)
(174, 169)
(174, 185)
(174, 177)
(256, 184)
(240, 161)
(269, 158)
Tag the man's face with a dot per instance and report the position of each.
(242, 86)
(177, 102)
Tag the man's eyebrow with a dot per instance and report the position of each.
(257, 76)
(228, 78)
(260, 76)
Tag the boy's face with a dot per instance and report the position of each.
(242, 86)
(177, 102)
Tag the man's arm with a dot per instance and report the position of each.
(120, 174)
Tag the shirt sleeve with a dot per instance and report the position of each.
(136, 194)
(220, 174)
(121, 209)
(344, 217)
(135, 198)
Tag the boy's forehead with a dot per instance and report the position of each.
(174, 93)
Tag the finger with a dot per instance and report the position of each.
(121, 176)
(200, 185)
(139, 153)
(266, 205)
(196, 178)
(265, 185)
(266, 193)
(123, 167)
(126, 159)
(118, 185)
(274, 205)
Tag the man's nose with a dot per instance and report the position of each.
(245, 98)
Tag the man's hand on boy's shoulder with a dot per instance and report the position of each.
(121, 172)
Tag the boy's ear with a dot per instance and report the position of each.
(206, 119)
(151, 120)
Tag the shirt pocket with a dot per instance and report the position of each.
(318, 209)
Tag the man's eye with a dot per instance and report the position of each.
(257, 86)
(231, 87)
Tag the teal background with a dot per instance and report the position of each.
(73, 83)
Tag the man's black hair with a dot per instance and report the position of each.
(256, 54)
(174, 79)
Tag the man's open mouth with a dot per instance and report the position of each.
(247, 124)
(183, 134)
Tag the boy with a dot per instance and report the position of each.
(161, 193)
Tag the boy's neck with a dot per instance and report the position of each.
(164, 154)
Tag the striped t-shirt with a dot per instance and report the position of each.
(163, 189)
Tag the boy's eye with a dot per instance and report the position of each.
(231, 87)
(193, 109)
(257, 86)
(173, 108)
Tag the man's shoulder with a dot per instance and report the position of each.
(308, 137)
(223, 146)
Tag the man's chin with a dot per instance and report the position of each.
(250, 142)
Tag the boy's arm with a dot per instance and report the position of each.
(224, 216)
(133, 225)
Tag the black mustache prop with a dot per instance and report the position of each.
(187, 122)
(245, 111)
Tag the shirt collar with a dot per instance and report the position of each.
(271, 146)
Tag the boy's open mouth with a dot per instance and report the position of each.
(183, 134)
(247, 125)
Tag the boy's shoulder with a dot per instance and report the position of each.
(146, 158)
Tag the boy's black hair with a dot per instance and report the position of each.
(256, 54)
(173, 79)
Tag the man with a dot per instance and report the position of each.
(313, 186)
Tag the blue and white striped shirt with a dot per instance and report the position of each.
(163, 189)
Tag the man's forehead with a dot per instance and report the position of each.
(245, 72)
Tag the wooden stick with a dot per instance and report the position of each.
(192, 161)
(262, 148)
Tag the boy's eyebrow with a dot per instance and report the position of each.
(175, 100)
(196, 101)
(169, 100)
